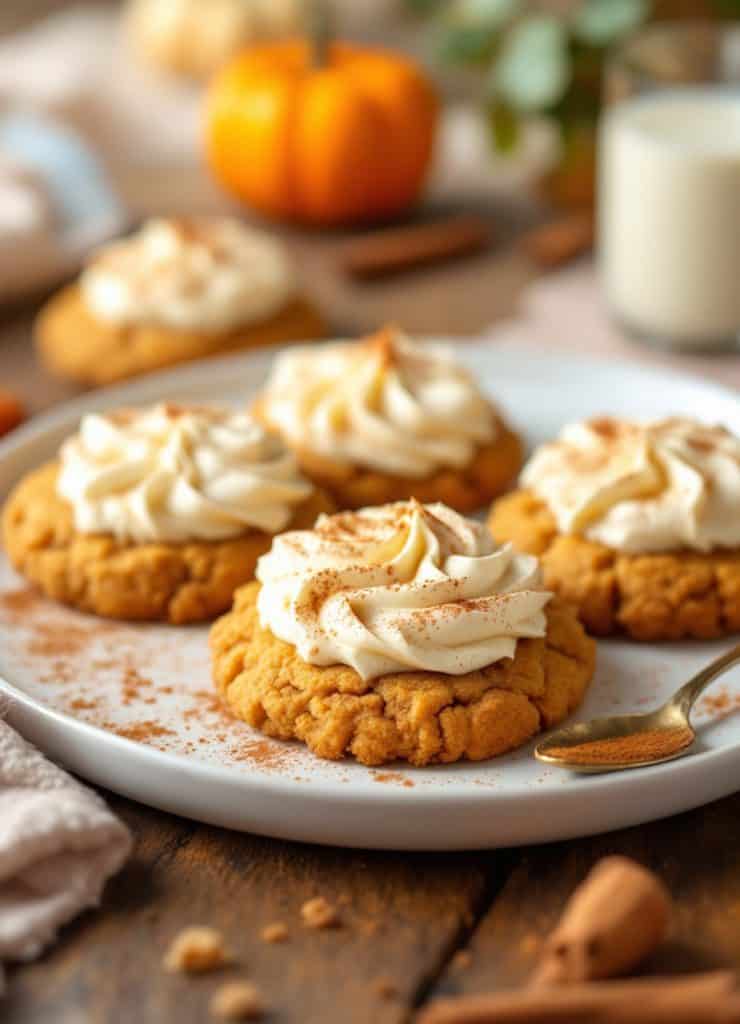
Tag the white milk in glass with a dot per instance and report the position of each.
(669, 215)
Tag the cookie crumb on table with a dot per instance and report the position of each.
(462, 959)
(237, 1000)
(529, 945)
(319, 913)
(276, 932)
(384, 988)
(195, 949)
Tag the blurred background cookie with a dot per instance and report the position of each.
(178, 289)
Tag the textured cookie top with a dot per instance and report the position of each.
(400, 587)
(197, 274)
(658, 486)
(178, 473)
(384, 402)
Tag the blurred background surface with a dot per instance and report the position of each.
(108, 99)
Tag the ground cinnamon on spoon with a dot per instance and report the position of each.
(651, 745)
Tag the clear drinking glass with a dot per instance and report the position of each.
(669, 186)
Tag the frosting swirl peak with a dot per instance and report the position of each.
(656, 486)
(178, 473)
(399, 588)
(385, 403)
(199, 274)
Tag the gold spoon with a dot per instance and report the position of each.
(633, 741)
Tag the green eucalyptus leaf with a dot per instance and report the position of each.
(423, 7)
(493, 13)
(600, 22)
(465, 44)
(505, 126)
(533, 69)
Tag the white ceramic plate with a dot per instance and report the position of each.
(131, 707)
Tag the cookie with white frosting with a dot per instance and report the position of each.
(386, 418)
(400, 631)
(637, 524)
(177, 289)
(156, 513)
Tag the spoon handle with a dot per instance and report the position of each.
(688, 693)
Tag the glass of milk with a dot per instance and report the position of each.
(669, 188)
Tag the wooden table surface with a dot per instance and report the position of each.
(405, 916)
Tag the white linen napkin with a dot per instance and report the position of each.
(59, 844)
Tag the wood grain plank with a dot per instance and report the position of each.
(402, 917)
(695, 853)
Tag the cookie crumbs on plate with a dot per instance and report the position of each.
(276, 932)
(384, 988)
(319, 913)
(195, 949)
(237, 1000)
(462, 959)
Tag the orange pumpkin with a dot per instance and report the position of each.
(343, 141)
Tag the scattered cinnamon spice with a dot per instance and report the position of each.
(399, 249)
(58, 640)
(651, 745)
(132, 684)
(395, 778)
(16, 604)
(319, 913)
(720, 705)
(559, 241)
(276, 932)
(613, 920)
(709, 998)
(196, 949)
(81, 704)
(237, 1000)
(139, 732)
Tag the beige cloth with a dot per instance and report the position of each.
(59, 844)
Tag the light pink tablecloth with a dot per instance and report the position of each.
(565, 311)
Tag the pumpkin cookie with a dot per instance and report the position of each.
(159, 514)
(400, 633)
(635, 525)
(384, 419)
(178, 290)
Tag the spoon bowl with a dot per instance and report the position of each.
(619, 742)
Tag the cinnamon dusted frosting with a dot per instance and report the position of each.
(658, 486)
(199, 274)
(385, 403)
(178, 473)
(399, 588)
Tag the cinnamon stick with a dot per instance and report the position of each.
(11, 411)
(709, 998)
(613, 920)
(559, 241)
(406, 248)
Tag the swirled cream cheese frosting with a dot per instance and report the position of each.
(385, 403)
(398, 588)
(178, 473)
(657, 486)
(198, 274)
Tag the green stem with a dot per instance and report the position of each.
(320, 31)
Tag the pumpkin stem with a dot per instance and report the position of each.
(319, 31)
